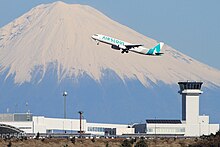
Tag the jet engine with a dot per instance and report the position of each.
(115, 47)
(118, 47)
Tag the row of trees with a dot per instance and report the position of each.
(129, 143)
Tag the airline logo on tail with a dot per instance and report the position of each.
(126, 46)
(156, 50)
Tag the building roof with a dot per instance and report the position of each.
(8, 129)
(16, 117)
(162, 121)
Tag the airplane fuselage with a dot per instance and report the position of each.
(126, 46)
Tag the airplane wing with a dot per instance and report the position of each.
(133, 45)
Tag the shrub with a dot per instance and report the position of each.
(218, 133)
(126, 143)
(73, 140)
(141, 143)
(133, 140)
(93, 139)
(106, 145)
(9, 144)
(38, 135)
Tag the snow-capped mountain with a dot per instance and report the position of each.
(50, 49)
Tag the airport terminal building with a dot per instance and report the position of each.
(191, 125)
(34, 124)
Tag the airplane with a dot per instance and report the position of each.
(126, 47)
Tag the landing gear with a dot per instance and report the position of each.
(124, 51)
(97, 42)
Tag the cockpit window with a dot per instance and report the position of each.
(95, 35)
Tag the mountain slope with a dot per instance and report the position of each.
(49, 49)
(59, 34)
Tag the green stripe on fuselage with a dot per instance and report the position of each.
(113, 40)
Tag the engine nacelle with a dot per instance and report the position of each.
(118, 47)
(115, 47)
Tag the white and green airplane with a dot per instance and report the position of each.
(126, 47)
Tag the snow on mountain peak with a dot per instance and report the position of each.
(59, 34)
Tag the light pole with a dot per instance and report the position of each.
(16, 107)
(26, 104)
(155, 128)
(80, 123)
(199, 129)
(64, 108)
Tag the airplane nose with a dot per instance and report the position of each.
(93, 37)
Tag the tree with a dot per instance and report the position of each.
(141, 143)
(133, 140)
(93, 139)
(9, 144)
(106, 145)
(218, 133)
(38, 135)
(126, 143)
(73, 140)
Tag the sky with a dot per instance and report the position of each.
(190, 26)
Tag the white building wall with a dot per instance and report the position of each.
(190, 105)
(171, 129)
(204, 125)
(213, 128)
(64, 124)
(192, 109)
(120, 128)
(192, 130)
(201, 129)
(39, 125)
(120, 131)
(42, 124)
(204, 119)
(189, 130)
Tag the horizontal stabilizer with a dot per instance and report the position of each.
(159, 54)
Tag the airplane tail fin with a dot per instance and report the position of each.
(157, 48)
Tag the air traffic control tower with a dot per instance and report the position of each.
(195, 125)
(190, 92)
(191, 125)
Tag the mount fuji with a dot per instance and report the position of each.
(49, 49)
